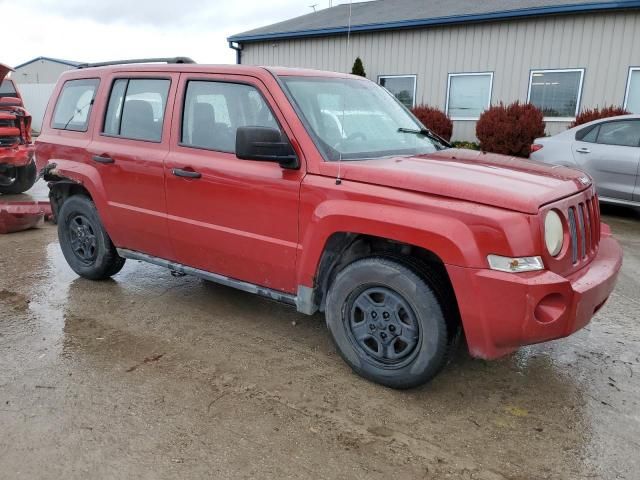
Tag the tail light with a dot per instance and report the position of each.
(535, 147)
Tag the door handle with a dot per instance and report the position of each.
(583, 150)
(179, 172)
(103, 159)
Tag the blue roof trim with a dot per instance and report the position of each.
(485, 17)
(70, 63)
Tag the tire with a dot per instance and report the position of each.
(409, 345)
(23, 179)
(85, 243)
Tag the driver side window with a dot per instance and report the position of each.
(213, 111)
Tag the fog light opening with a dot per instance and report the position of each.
(550, 308)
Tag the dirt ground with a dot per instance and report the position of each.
(151, 376)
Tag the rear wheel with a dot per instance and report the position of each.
(387, 323)
(18, 179)
(85, 243)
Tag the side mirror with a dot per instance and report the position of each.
(266, 145)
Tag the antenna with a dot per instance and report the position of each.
(314, 7)
(338, 179)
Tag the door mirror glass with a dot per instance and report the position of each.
(265, 144)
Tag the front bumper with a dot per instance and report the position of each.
(16, 216)
(503, 311)
(17, 156)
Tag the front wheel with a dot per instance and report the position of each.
(387, 323)
(18, 179)
(84, 241)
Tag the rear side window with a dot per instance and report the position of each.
(622, 133)
(213, 111)
(136, 108)
(73, 108)
(589, 134)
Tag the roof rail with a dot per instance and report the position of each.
(138, 60)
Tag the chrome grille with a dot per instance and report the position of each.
(573, 232)
(584, 228)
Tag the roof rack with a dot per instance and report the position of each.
(138, 60)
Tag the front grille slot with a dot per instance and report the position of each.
(584, 228)
(583, 235)
(573, 232)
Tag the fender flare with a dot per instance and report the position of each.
(447, 237)
(66, 173)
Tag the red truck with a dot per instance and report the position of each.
(17, 165)
(320, 190)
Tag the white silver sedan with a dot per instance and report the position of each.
(607, 149)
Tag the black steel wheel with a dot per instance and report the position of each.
(84, 241)
(387, 322)
(383, 325)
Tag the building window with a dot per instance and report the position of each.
(468, 95)
(632, 96)
(556, 92)
(403, 87)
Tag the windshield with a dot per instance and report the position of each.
(7, 89)
(353, 119)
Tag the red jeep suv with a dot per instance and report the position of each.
(17, 166)
(320, 190)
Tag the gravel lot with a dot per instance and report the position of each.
(151, 376)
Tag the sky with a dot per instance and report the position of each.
(99, 30)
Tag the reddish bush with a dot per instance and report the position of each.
(591, 114)
(510, 129)
(435, 120)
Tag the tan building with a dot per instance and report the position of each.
(462, 56)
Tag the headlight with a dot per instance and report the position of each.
(515, 264)
(553, 233)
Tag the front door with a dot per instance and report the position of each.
(610, 153)
(237, 218)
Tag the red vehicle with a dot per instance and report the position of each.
(17, 166)
(320, 190)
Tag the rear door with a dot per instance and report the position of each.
(237, 218)
(128, 150)
(610, 153)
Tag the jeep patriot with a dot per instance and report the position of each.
(321, 190)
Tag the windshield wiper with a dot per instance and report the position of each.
(76, 112)
(427, 133)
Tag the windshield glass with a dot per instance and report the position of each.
(353, 119)
(7, 89)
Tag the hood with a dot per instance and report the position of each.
(4, 71)
(496, 180)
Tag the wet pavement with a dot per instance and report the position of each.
(151, 376)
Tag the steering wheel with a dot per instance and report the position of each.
(351, 137)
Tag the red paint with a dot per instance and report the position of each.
(18, 216)
(16, 149)
(257, 222)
